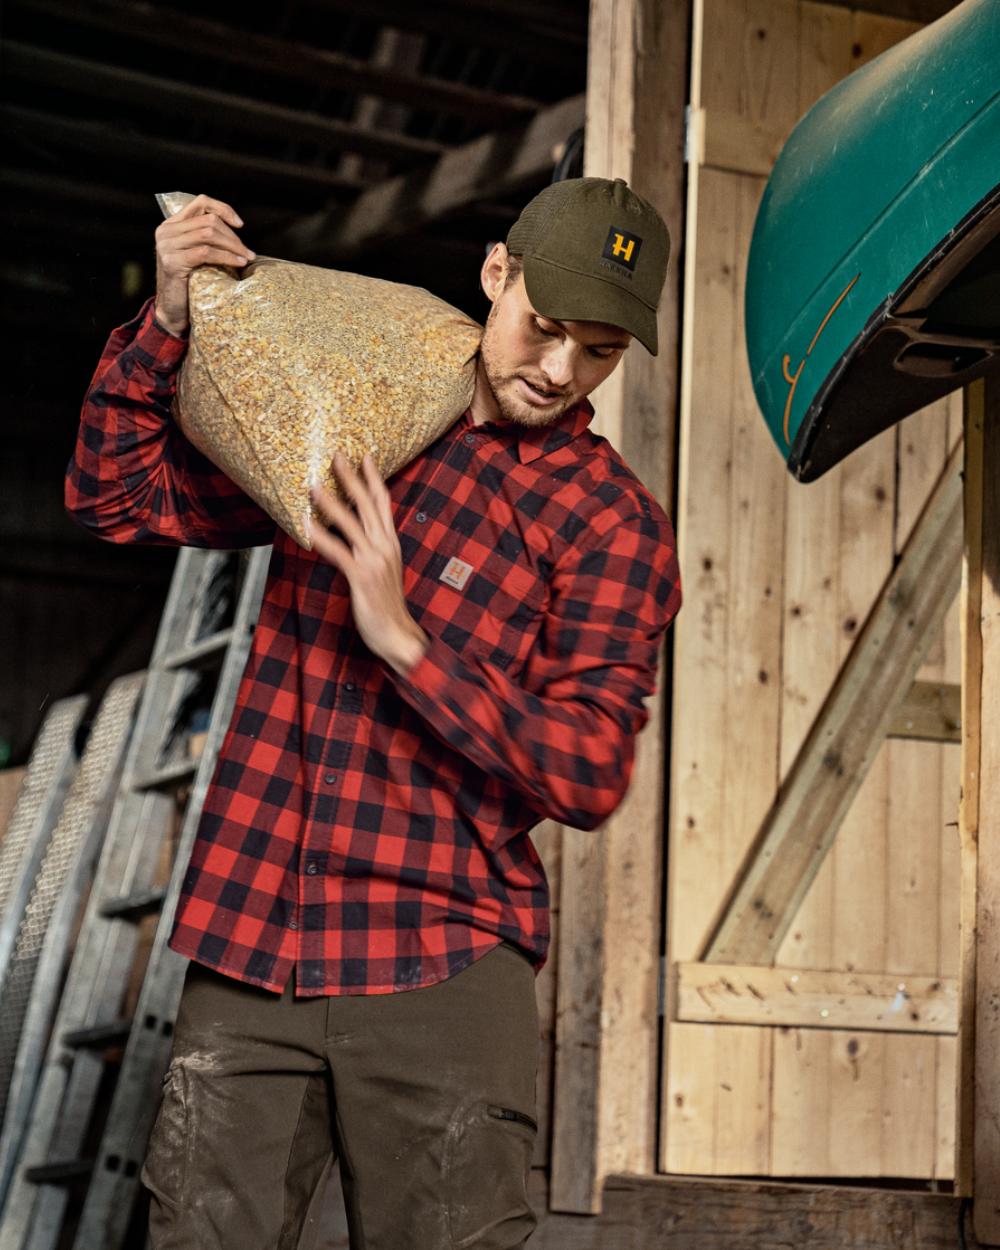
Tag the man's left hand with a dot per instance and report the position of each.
(369, 556)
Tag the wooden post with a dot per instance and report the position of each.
(604, 1117)
(981, 815)
(968, 815)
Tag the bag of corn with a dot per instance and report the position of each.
(288, 363)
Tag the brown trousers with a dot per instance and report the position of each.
(425, 1097)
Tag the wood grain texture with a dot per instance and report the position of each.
(986, 1116)
(672, 1214)
(665, 1213)
(842, 1102)
(607, 1030)
(968, 812)
(807, 998)
(843, 741)
(932, 712)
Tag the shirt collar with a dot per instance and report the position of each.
(541, 440)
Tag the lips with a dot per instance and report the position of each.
(536, 395)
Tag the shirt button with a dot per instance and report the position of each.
(348, 685)
(421, 517)
(330, 779)
(470, 439)
(293, 924)
(311, 869)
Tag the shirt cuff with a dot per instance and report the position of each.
(430, 677)
(164, 349)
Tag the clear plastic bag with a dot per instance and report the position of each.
(289, 363)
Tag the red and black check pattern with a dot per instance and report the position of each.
(367, 829)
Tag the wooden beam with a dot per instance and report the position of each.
(931, 712)
(843, 742)
(986, 1114)
(968, 809)
(690, 1213)
(607, 1026)
(394, 50)
(165, 27)
(124, 142)
(495, 164)
(909, 10)
(809, 999)
(42, 67)
(519, 28)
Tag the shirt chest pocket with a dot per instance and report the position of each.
(485, 603)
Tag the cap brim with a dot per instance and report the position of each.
(567, 296)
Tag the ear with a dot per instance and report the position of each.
(494, 269)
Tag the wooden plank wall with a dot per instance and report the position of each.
(779, 578)
(607, 1027)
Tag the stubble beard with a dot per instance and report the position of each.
(503, 388)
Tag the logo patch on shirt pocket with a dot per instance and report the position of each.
(456, 573)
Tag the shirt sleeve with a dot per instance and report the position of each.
(134, 477)
(562, 734)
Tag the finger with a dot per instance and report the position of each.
(357, 491)
(379, 493)
(205, 255)
(335, 513)
(206, 229)
(205, 204)
(332, 549)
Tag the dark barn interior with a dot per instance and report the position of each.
(392, 139)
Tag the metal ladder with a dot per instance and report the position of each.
(39, 953)
(197, 662)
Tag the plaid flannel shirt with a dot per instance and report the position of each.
(371, 829)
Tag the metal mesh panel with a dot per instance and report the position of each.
(98, 770)
(44, 768)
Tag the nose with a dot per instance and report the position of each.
(557, 365)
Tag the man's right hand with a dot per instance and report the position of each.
(200, 234)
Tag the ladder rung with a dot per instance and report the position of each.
(199, 652)
(97, 1035)
(134, 906)
(171, 775)
(59, 1172)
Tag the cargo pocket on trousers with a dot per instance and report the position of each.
(165, 1171)
(488, 1160)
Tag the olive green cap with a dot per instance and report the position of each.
(593, 250)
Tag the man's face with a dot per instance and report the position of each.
(537, 368)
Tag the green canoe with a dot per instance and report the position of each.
(873, 281)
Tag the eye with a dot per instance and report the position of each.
(604, 354)
(549, 334)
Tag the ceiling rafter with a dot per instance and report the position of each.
(164, 27)
(493, 165)
(127, 86)
(103, 139)
(520, 26)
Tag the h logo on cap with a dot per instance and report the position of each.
(622, 247)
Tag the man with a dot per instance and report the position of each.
(464, 652)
